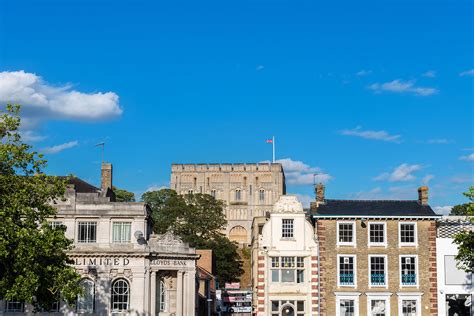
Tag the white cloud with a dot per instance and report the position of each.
(468, 157)
(368, 134)
(429, 74)
(442, 210)
(154, 187)
(426, 179)
(399, 86)
(438, 141)
(43, 101)
(299, 173)
(363, 72)
(58, 148)
(462, 179)
(400, 173)
(259, 67)
(469, 72)
(393, 193)
(304, 199)
(30, 136)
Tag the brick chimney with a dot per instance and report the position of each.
(319, 190)
(423, 195)
(106, 181)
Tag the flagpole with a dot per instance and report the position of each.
(273, 145)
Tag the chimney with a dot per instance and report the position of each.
(106, 181)
(423, 195)
(319, 193)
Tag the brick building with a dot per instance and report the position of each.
(376, 257)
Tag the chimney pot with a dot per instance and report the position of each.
(320, 192)
(106, 181)
(423, 195)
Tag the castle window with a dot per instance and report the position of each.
(237, 195)
(213, 193)
(261, 195)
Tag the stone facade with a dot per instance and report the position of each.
(248, 190)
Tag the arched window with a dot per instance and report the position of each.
(162, 296)
(85, 302)
(120, 295)
(237, 195)
(261, 195)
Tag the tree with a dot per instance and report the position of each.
(197, 219)
(122, 195)
(34, 266)
(460, 210)
(465, 239)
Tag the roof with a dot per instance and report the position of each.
(373, 208)
(81, 186)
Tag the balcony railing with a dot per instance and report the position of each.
(377, 279)
(346, 279)
(409, 279)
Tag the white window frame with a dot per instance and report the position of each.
(378, 297)
(377, 244)
(288, 231)
(355, 271)
(385, 271)
(416, 271)
(126, 221)
(354, 235)
(412, 297)
(354, 296)
(407, 244)
(79, 221)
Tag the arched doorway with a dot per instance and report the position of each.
(238, 234)
(287, 310)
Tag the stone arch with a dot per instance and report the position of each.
(238, 234)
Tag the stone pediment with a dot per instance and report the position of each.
(168, 243)
(288, 204)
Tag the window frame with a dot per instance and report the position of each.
(354, 285)
(261, 195)
(14, 310)
(377, 244)
(121, 221)
(237, 195)
(288, 231)
(378, 297)
(354, 234)
(369, 263)
(407, 244)
(89, 221)
(112, 310)
(416, 271)
(296, 268)
(350, 296)
(86, 311)
(409, 297)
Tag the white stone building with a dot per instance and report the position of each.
(125, 269)
(248, 190)
(455, 286)
(284, 261)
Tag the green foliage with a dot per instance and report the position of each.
(465, 240)
(460, 210)
(33, 261)
(197, 219)
(122, 195)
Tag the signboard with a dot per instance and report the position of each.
(235, 285)
(168, 262)
(101, 261)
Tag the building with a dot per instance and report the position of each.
(455, 286)
(284, 262)
(125, 269)
(248, 190)
(376, 257)
(207, 282)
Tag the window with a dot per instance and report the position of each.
(377, 270)
(14, 307)
(377, 234)
(288, 308)
(190, 191)
(162, 296)
(408, 267)
(213, 193)
(407, 234)
(459, 304)
(287, 269)
(453, 275)
(87, 232)
(287, 228)
(121, 232)
(409, 304)
(345, 234)
(409, 308)
(347, 304)
(56, 224)
(237, 195)
(378, 307)
(346, 307)
(85, 302)
(261, 195)
(120, 295)
(346, 270)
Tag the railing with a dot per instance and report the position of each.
(409, 279)
(377, 279)
(346, 279)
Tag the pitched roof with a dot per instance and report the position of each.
(80, 185)
(373, 208)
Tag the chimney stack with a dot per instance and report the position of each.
(106, 181)
(319, 193)
(423, 195)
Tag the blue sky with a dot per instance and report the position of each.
(375, 96)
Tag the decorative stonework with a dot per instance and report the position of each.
(288, 204)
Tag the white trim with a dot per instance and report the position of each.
(353, 243)
(377, 244)
(378, 296)
(409, 296)
(355, 271)
(416, 270)
(354, 296)
(413, 244)
(384, 269)
(430, 217)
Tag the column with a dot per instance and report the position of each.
(146, 289)
(153, 293)
(185, 293)
(179, 294)
(191, 292)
